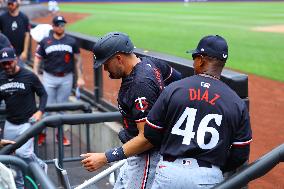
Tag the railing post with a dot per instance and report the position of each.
(88, 137)
(98, 90)
(60, 145)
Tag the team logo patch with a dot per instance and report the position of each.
(141, 104)
(14, 26)
(4, 54)
(67, 58)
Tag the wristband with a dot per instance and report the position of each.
(115, 154)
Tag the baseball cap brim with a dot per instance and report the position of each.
(7, 59)
(194, 51)
(99, 62)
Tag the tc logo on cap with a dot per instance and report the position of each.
(4, 54)
(59, 18)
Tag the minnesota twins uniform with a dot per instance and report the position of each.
(137, 94)
(58, 66)
(196, 122)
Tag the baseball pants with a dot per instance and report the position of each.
(58, 88)
(25, 152)
(184, 173)
(138, 172)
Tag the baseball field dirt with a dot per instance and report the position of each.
(266, 111)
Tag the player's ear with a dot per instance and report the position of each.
(119, 58)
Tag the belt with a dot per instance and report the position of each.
(59, 74)
(200, 163)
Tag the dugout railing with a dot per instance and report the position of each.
(31, 172)
(56, 121)
(47, 152)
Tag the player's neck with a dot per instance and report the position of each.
(56, 36)
(132, 62)
(14, 13)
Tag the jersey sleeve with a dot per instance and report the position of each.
(169, 74)
(40, 91)
(27, 24)
(243, 133)
(156, 122)
(144, 95)
(40, 52)
(76, 48)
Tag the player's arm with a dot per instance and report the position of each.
(42, 94)
(4, 142)
(24, 54)
(79, 70)
(39, 55)
(240, 149)
(36, 64)
(27, 25)
(169, 73)
(136, 145)
(172, 75)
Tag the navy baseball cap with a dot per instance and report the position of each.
(109, 45)
(7, 54)
(12, 1)
(212, 45)
(58, 19)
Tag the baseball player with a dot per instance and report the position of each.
(200, 124)
(18, 87)
(61, 58)
(142, 83)
(15, 25)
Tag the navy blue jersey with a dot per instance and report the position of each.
(198, 117)
(18, 91)
(15, 27)
(58, 55)
(139, 91)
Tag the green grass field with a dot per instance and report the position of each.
(173, 28)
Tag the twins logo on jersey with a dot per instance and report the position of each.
(141, 104)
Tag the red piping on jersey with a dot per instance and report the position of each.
(125, 123)
(154, 126)
(169, 75)
(146, 171)
(140, 120)
(242, 143)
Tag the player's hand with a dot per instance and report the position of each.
(24, 56)
(93, 161)
(36, 116)
(6, 142)
(80, 82)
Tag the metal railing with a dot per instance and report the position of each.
(74, 106)
(89, 183)
(254, 170)
(32, 169)
(56, 121)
